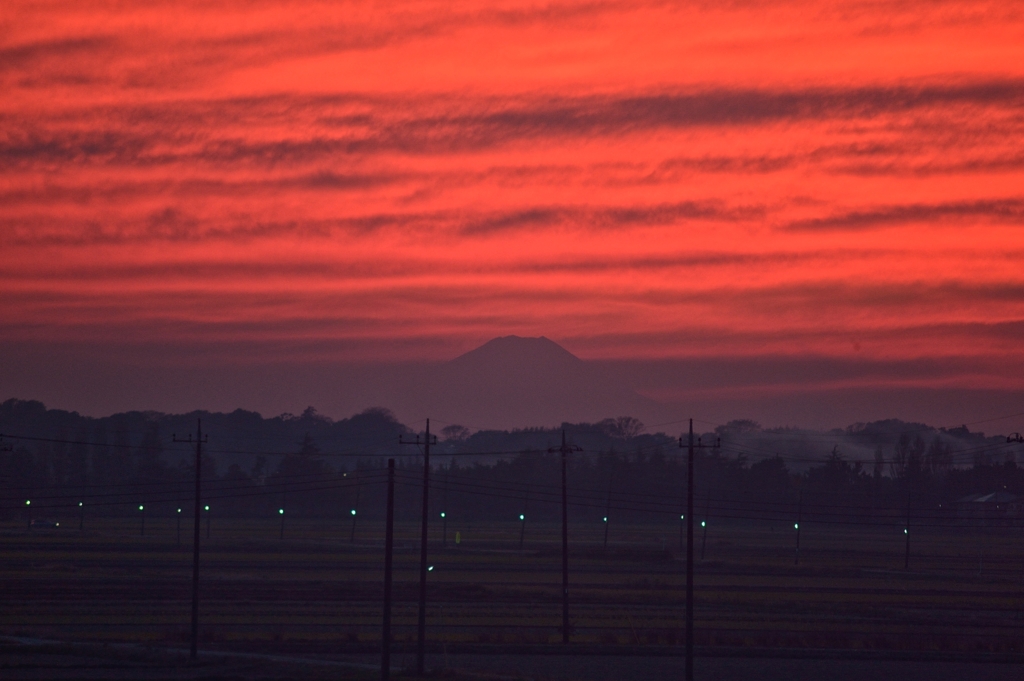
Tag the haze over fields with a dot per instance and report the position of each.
(801, 213)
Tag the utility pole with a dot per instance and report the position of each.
(689, 548)
(421, 633)
(565, 450)
(689, 555)
(389, 545)
(194, 650)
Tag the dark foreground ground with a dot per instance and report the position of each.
(739, 669)
(23, 659)
(36, 659)
(308, 605)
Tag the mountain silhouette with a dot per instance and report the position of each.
(512, 382)
(509, 355)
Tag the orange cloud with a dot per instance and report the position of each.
(637, 180)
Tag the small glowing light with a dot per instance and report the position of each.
(682, 517)
(79, 503)
(430, 569)
(606, 519)
(522, 516)
(353, 511)
(140, 507)
(207, 508)
(280, 511)
(905, 531)
(179, 510)
(796, 526)
(56, 524)
(28, 503)
(703, 524)
(442, 514)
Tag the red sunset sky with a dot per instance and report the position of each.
(759, 206)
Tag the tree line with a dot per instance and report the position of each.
(315, 467)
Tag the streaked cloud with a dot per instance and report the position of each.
(1009, 210)
(652, 182)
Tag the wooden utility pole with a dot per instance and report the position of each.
(389, 545)
(421, 628)
(565, 450)
(689, 556)
(194, 649)
(689, 546)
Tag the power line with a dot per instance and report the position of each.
(722, 510)
(359, 452)
(727, 511)
(275, 484)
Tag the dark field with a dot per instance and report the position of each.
(316, 594)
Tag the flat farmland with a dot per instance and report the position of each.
(318, 592)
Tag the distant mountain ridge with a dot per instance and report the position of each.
(512, 382)
(509, 350)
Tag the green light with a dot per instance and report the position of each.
(207, 508)
(442, 514)
(353, 511)
(28, 503)
(179, 510)
(796, 526)
(522, 516)
(430, 569)
(905, 531)
(140, 507)
(606, 519)
(280, 511)
(703, 524)
(79, 503)
(682, 517)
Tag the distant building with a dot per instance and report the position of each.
(993, 508)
